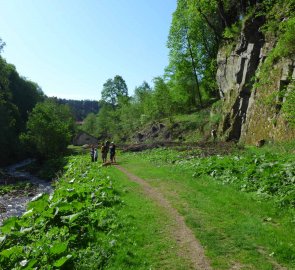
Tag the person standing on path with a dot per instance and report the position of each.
(107, 147)
(92, 152)
(113, 152)
(103, 153)
(95, 154)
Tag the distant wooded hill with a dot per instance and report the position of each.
(80, 108)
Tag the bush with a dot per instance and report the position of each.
(74, 228)
(265, 173)
(49, 129)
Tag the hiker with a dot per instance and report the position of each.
(107, 147)
(95, 154)
(103, 153)
(92, 152)
(113, 152)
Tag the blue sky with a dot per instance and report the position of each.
(71, 47)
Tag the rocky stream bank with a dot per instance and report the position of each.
(14, 202)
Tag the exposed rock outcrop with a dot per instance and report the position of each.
(266, 121)
(246, 117)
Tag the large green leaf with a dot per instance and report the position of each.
(58, 247)
(9, 225)
(40, 203)
(13, 250)
(60, 262)
(71, 218)
(30, 264)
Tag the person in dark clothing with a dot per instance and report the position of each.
(92, 152)
(113, 152)
(103, 153)
(107, 147)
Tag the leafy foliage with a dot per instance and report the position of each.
(268, 174)
(113, 90)
(18, 97)
(193, 46)
(89, 124)
(74, 228)
(121, 115)
(49, 129)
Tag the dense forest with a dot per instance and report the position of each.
(80, 108)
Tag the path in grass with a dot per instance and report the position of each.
(236, 229)
(189, 245)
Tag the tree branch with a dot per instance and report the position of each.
(217, 35)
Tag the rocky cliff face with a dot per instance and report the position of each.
(247, 116)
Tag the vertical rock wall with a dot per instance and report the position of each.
(265, 121)
(246, 116)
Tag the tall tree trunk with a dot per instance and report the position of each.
(222, 13)
(194, 69)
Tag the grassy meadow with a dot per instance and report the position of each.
(238, 223)
(240, 206)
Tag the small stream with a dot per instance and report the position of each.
(16, 205)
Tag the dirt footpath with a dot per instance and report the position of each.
(189, 246)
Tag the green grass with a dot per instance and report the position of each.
(98, 219)
(200, 116)
(235, 228)
(95, 219)
(145, 241)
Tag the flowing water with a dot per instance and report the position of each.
(15, 205)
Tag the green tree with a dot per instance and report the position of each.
(25, 93)
(162, 99)
(113, 89)
(9, 115)
(105, 121)
(8, 131)
(49, 128)
(18, 96)
(141, 92)
(89, 124)
(193, 43)
(143, 102)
